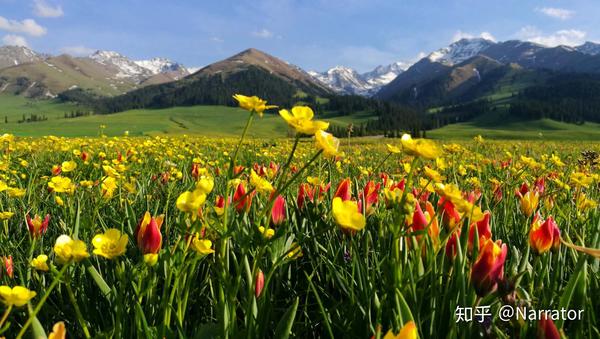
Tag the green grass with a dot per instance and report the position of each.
(194, 120)
(503, 126)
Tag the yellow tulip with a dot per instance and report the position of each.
(408, 331)
(300, 119)
(68, 250)
(16, 296)
(111, 244)
(346, 215)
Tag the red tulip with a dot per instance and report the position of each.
(278, 211)
(370, 195)
(453, 243)
(37, 226)
(84, 156)
(259, 283)
(8, 264)
(419, 221)
(483, 230)
(195, 171)
(546, 328)
(450, 215)
(489, 267)
(343, 190)
(242, 200)
(304, 191)
(544, 235)
(148, 234)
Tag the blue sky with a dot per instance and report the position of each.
(313, 34)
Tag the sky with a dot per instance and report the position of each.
(313, 34)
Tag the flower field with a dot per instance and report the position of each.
(194, 237)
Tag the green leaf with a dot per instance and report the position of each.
(284, 327)
(569, 291)
(104, 288)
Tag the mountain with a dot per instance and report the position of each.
(460, 51)
(26, 72)
(248, 72)
(345, 80)
(17, 55)
(590, 48)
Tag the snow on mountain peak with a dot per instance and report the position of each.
(590, 48)
(459, 51)
(161, 65)
(348, 81)
(139, 70)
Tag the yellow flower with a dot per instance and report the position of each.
(6, 215)
(151, 259)
(190, 202)
(253, 103)
(205, 184)
(86, 183)
(111, 172)
(108, 186)
(529, 202)
(61, 185)
(267, 233)
(16, 296)
(59, 201)
(420, 147)
(408, 331)
(15, 192)
(69, 250)
(111, 244)
(68, 166)
(58, 331)
(393, 149)
(202, 246)
(40, 262)
(300, 119)
(346, 215)
(259, 183)
(328, 143)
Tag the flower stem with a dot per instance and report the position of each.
(38, 307)
(5, 315)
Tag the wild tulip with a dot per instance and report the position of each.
(220, 205)
(453, 243)
(344, 190)
(370, 196)
(450, 215)
(483, 230)
(259, 283)
(8, 265)
(529, 202)
(408, 331)
(488, 269)
(278, 211)
(546, 328)
(37, 227)
(304, 191)
(242, 200)
(149, 238)
(544, 234)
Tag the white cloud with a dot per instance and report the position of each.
(77, 50)
(557, 13)
(216, 39)
(14, 40)
(568, 37)
(27, 26)
(42, 9)
(464, 35)
(263, 34)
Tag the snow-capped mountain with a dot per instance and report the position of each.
(459, 51)
(17, 55)
(139, 70)
(590, 48)
(346, 80)
(125, 67)
(382, 75)
(161, 65)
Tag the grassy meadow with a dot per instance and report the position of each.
(237, 233)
